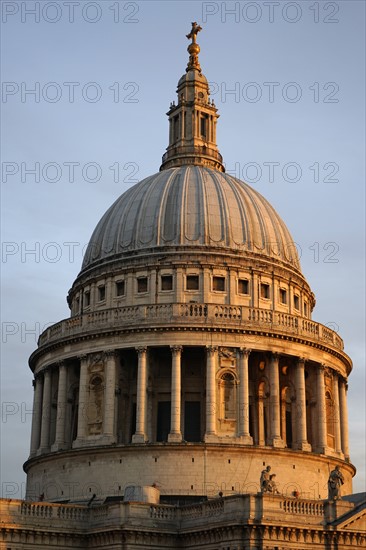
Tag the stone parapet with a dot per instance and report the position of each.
(201, 315)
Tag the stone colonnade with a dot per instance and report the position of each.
(42, 407)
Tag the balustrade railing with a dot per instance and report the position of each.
(303, 507)
(182, 313)
(79, 516)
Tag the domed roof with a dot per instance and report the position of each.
(191, 206)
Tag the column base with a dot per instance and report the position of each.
(322, 450)
(210, 438)
(175, 438)
(78, 443)
(43, 451)
(139, 438)
(58, 447)
(303, 446)
(245, 439)
(278, 443)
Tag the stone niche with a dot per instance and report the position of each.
(95, 405)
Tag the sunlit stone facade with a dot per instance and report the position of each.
(189, 363)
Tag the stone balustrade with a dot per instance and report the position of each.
(249, 506)
(202, 315)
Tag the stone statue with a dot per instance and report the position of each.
(272, 486)
(264, 480)
(335, 482)
(195, 30)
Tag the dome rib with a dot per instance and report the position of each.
(191, 206)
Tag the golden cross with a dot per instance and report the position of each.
(193, 34)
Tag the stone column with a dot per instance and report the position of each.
(321, 410)
(301, 427)
(274, 401)
(83, 401)
(110, 396)
(344, 416)
(211, 405)
(46, 412)
(175, 435)
(61, 408)
(244, 397)
(37, 414)
(140, 435)
(336, 419)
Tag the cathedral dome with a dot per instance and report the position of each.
(191, 206)
(190, 342)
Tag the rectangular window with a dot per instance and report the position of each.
(101, 293)
(77, 305)
(283, 296)
(176, 128)
(87, 298)
(265, 291)
(166, 282)
(120, 288)
(296, 302)
(192, 282)
(305, 309)
(218, 283)
(142, 284)
(243, 286)
(203, 128)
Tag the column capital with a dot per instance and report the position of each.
(141, 349)
(343, 380)
(61, 365)
(275, 356)
(301, 360)
(211, 349)
(82, 357)
(110, 353)
(245, 352)
(176, 349)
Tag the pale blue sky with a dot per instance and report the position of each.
(143, 55)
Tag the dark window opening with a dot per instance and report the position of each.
(243, 286)
(163, 423)
(133, 420)
(120, 288)
(203, 127)
(101, 293)
(283, 296)
(176, 128)
(296, 302)
(166, 282)
(265, 290)
(192, 421)
(142, 284)
(288, 428)
(192, 282)
(86, 298)
(218, 283)
(305, 309)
